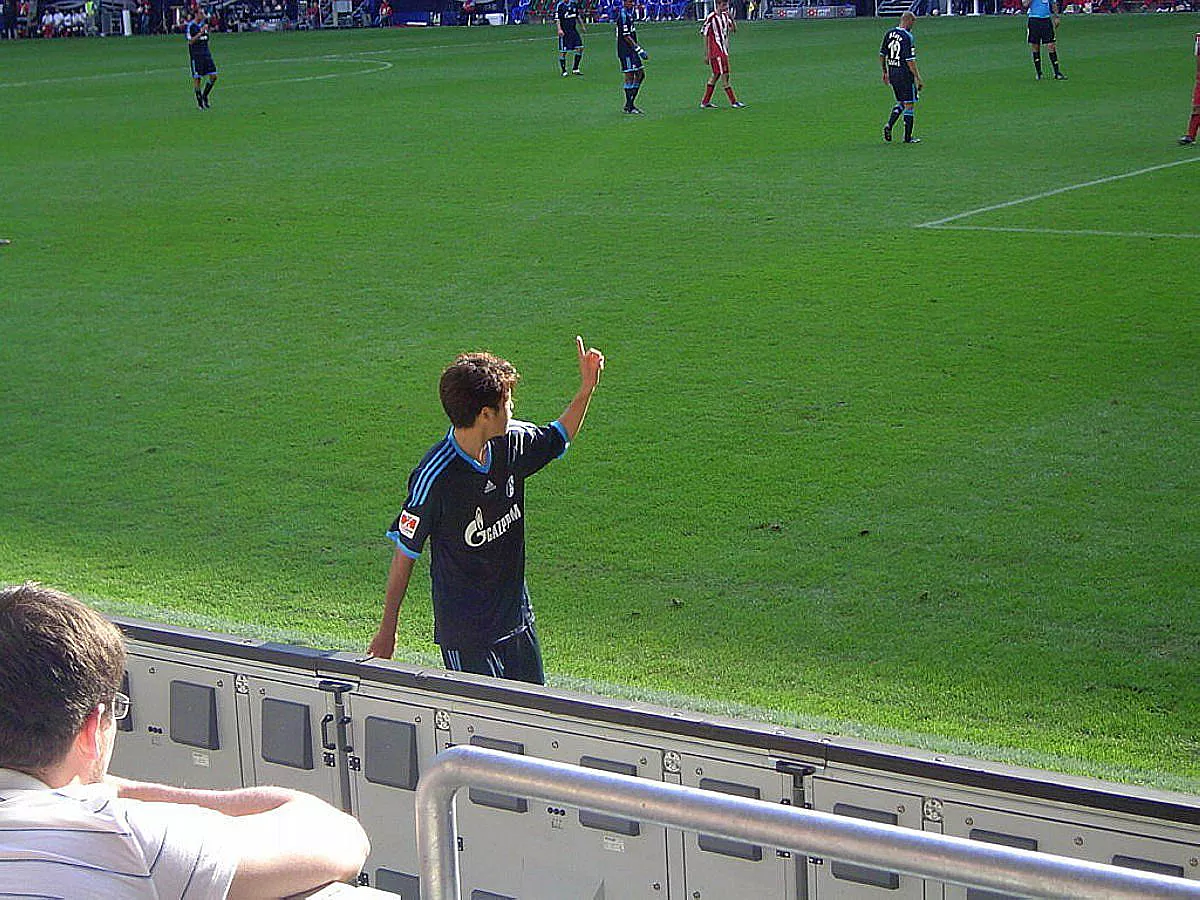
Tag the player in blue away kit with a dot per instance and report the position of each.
(202, 61)
(898, 57)
(467, 499)
(567, 15)
(1043, 19)
(631, 55)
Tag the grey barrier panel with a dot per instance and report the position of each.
(149, 751)
(287, 723)
(392, 739)
(1109, 823)
(951, 859)
(1066, 832)
(547, 852)
(887, 803)
(715, 866)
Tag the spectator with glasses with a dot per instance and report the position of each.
(68, 829)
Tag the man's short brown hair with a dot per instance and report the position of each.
(474, 381)
(59, 659)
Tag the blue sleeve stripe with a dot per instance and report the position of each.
(428, 473)
(561, 429)
(400, 545)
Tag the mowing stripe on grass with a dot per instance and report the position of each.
(942, 223)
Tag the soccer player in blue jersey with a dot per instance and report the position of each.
(898, 57)
(202, 61)
(467, 499)
(631, 55)
(1043, 19)
(566, 12)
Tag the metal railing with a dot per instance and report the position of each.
(890, 847)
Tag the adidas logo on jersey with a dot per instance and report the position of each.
(489, 487)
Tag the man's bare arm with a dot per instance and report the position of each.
(288, 841)
(591, 364)
(383, 644)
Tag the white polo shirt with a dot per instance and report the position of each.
(84, 843)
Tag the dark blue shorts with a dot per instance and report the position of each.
(630, 61)
(202, 64)
(570, 41)
(905, 89)
(517, 657)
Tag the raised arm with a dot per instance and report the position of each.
(591, 364)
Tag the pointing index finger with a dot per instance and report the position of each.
(579, 345)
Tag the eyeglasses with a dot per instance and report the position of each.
(120, 706)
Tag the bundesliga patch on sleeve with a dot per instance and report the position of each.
(409, 523)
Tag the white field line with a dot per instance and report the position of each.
(380, 65)
(1080, 231)
(329, 57)
(943, 223)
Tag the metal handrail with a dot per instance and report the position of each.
(920, 853)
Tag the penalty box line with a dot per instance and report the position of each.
(945, 223)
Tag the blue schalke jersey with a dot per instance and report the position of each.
(898, 48)
(626, 28)
(1039, 9)
(567, 12)
(473, 516)
(195, 30)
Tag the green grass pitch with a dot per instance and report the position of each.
(928, 485)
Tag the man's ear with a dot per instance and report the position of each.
(89, 743)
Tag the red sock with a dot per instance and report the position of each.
(729, 94)
(708, 89)
(1193, 125)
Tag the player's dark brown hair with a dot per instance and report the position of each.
(59, 659)
(473, 381)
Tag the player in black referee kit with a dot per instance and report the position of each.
(898, 57)
(467, 499)
(202, 61)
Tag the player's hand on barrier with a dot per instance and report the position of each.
(383, 645)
